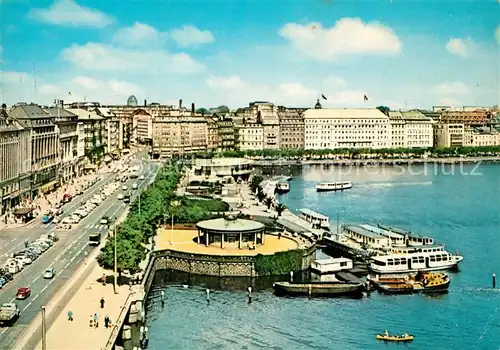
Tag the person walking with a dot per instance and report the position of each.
(91, 320)
(96, 320)
(102, 303)
(70, 315)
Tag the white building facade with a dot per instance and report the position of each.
(411, 129)
(346, 128)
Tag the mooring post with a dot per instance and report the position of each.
(494, 280)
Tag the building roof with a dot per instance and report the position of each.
(104, 112)
(414, 115)
(83, 114)
(230, 225)
(381, 231)
(30, 111)
(395, 115)
(59, 112)
(361, 231)
(314, 214)
(326, 113)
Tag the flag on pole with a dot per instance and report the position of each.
(324, 97)
(365, 98)
(69, 93)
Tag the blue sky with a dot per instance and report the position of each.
(398, 53)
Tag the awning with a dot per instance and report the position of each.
(48, 187)
(22, 211)
(90, 166)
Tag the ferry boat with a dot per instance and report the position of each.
(314, 218)
(331, 265)
(415, 261)
(423, 282)
(325, 289)
(333, 186)
(282, 187)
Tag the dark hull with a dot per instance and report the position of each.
(332, 189)
(387, 289)
(281, 191)
(319, 289)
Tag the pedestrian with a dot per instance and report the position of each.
(106, 321)
(96, 320)
(91, 320)
(86, 255)
(137, 279)
(102, 302)
(70, 315)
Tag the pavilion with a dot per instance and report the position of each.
(230, 231)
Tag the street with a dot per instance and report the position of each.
(66, 254)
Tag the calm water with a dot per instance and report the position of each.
(459, 207)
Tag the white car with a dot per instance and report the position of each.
(75, 219)
(120, 196)
(26, 260)
(135, 186)
(124, 187)
(141, 177)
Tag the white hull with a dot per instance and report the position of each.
(416, 268)
(328, 187)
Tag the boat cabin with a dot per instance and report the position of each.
(314, 218)
(410, 238)
(396, 238)
(366, 237)
(331, 265)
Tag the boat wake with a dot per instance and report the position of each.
(395, 184)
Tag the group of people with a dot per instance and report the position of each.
(94, 318)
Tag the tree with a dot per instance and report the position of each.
(222, 109)
(255, 183)
(280, 208)
(261, 195)
(203, 111)
(384, 109)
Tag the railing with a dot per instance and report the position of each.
(207, 258)
(119, 323)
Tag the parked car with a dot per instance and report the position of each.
(49, 273)
(23, 293)
(120, 196)
(141, 177)
(104, 220)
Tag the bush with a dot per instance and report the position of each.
(280, 263)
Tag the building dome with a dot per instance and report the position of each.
(132, 101)
(318, 105)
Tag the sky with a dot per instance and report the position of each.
(402, 54)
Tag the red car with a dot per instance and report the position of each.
(23, 293)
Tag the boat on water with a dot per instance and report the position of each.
(314, 218)
(331, 265)
(405, 337)
(282, 187)
(319, 289)
(415, 261)
(333, 186)
(421, 283)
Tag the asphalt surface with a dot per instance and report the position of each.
(66, 254)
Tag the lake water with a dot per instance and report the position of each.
(458, 206)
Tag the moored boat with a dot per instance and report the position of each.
(396, 338)
(282, 187)
(421, 283)
(333, 186)
(327, 289)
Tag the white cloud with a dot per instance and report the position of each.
(497, 33)
(69, 13)
(297, 93)
(448, 101)
(192, 36)
(119, 87)
(232, 82)
(49, 90)
(139, 34)
(349, 36)
(102, 57)
(457, 46)
(15, 77)
(87, 83)
(124, 88)
(452, 88)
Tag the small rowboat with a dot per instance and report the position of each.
(396, 338)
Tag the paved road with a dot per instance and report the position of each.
(65, 256)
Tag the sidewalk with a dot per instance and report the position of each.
(64, 334)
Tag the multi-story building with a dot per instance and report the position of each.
(468, 118)
(225, 133)
(411, 129)
(346, 128)
(291, 129)
(267, 115)
(114, 130)
(142, 124)
(95, 132)
(15, 161)
(449, 135)
(250, 134)
(481, 136)
(212, 132)
(178, 132)
(66, 125)
(45, 151)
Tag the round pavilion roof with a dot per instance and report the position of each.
(230, 225)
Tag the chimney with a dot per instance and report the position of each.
(145, 103)
(180, 103)
(192, 108)
(61, 103)
(4, 107)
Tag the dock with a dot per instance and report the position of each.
(346, 276)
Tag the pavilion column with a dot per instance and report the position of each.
(263, 234)
(255, 239)
(241, 239)
(222, 241)
(198, 236)
(207, 238)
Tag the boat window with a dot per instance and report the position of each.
(343, 263)
(433, 258)
(379, 263)
(414, 259)
(438, 258)
(403, 261)
(396, 261)
(421, 259)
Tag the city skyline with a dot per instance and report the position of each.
(216, 54)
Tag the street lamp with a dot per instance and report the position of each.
(44, 329)
(173, 205)
(115, 277)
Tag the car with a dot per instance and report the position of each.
(49, 273)
(104, 220)
(141, 177)
(120, 196)
(23, 293)
(135, 186)
(124, 187)
(126, 200)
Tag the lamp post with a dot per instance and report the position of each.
(115, 277)
(173, 205)
(44, 329)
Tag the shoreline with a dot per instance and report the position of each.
(392, 162)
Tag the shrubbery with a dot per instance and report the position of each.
(280, 263)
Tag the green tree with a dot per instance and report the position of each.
(384, 109)
(268, 201)
(280, 208)
(261, 195)
(203, 111)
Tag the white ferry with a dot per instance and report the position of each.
(412, 262)
(333, 186)
(314, 218)
(282, 187)
(331, 265)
